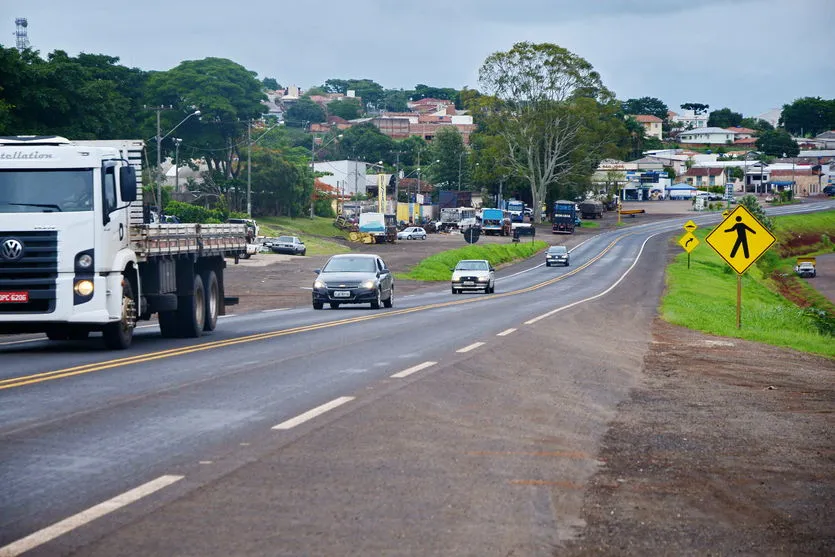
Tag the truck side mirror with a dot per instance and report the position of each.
(127, 183)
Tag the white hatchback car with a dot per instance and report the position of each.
(412, 233)
(473, 275)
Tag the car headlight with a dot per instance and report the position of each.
(319, 284)
(369, 284)
(483, 279)
(83, 287)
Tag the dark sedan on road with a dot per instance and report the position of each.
(557, 255)
(354, 279)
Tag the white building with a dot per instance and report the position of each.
(348, 177)
(688, 119)
(711, 136)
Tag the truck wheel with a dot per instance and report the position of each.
(212, 301)
(191, 311)
(118, 335)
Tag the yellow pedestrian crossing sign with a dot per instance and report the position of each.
(690, 226)
(688, 242)
(740, 239)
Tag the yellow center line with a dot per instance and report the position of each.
(142, 358)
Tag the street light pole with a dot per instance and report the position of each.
(177, 142)
(159, 139)
(460, 156)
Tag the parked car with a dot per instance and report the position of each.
(557, 254)
(829, 190)
(473, 275)
(291, 245)
(412, 233)
(354, 278)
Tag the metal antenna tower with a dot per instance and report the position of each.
(21, 35)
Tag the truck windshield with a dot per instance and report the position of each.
(47, 191)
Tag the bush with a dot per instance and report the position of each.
(187, 212)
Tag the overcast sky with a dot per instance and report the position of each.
(748, 55)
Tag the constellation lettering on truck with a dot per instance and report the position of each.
(20, 155)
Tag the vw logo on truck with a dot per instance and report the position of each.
(11, 249)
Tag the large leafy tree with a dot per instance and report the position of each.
(448, 149)
(724, 118)
(366, 143)
(777, 142)
(546, 101)
(809, 115)
(270, 83)
(756, 124)
(304, 112)
(228, 97)
(346, 108)
(371, 92)
(646, 105)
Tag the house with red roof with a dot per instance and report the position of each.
(651, 124)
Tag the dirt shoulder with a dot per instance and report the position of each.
(726, 447)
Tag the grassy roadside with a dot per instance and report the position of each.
(704, 297)
(437, 267)
(313, 232)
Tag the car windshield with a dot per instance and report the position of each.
(350, 265)
(472, 266)
(288, 239)
(557, 249)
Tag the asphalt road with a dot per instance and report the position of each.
(80, 427)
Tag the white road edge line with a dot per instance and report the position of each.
(506, 332)
(272, 310)
(473, 346)
(413, 369)
(84, 517)
(310, 414)
(578, 302)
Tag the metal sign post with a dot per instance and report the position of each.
(740, 240)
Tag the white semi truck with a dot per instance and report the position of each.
(78, 252)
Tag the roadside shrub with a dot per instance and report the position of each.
(751, 203)
(824, 322)
(187, 212)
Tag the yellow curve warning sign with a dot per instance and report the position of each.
(688, 242)
(740, 239)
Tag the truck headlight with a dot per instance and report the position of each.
(85, 260)
(369, 284)
(83, 287)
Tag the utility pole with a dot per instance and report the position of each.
(249, 168)
(460, 156)
(313, 172)
(158, 137)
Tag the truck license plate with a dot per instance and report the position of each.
(14, 297)
(342, 294)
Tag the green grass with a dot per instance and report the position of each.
(437, 267)
(589, 224)
(313, 232)
(704, 298)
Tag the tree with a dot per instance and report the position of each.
(546, 101)
(448, 149)
(809, 115)
(346, 108)
(228, 96)
(280, 185)
(303, 112)
(395, 100)
(646, 105)
(756, 124)
(697, 108)
(724, 118)
(366, 143)
(371, 92)
(777, 142)
(270, 83)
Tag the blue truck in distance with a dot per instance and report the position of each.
(495, 221)
(516, 209)
(563, 217)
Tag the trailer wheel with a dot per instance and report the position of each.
(191, 311)
(168, 324)
(118, 335)
(212, 301)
